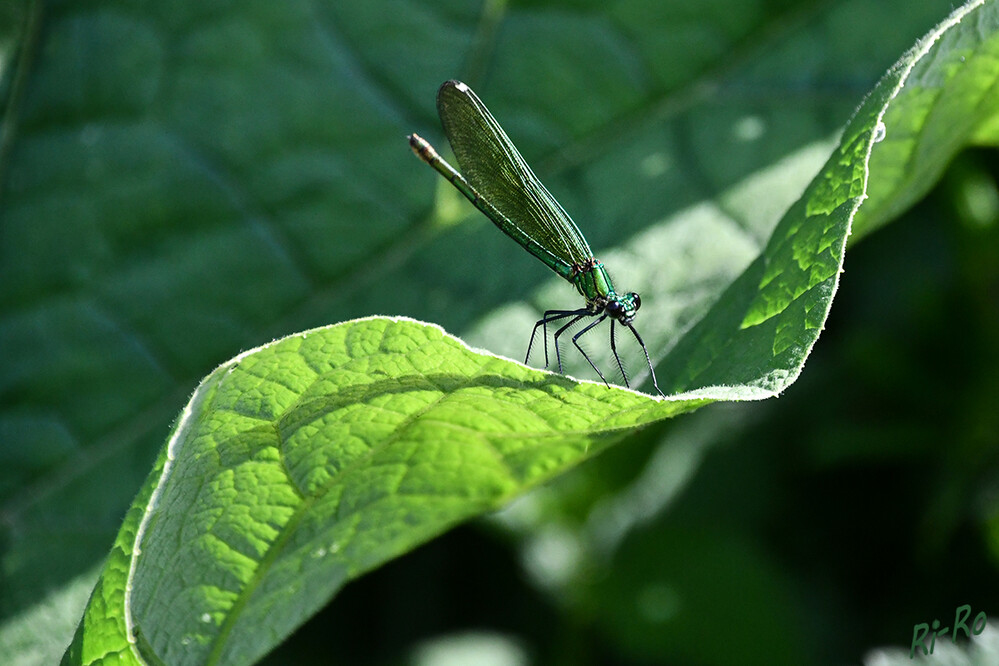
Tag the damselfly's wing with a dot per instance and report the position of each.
(495, 168)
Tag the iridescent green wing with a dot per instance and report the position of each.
(494, 167)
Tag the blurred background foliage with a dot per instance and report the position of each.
(184, 180)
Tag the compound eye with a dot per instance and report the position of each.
(636, 300)
(614, 308)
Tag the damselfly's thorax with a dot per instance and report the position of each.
(594, 284)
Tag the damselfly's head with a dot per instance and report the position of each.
(624, 308)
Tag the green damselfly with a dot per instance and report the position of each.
(499, 183)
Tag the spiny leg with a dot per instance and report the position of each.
(647, 360)
(575, 341)
(558, 354)
(550, 316)
(617, 358)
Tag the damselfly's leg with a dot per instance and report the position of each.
(550, 316)
(558, 354)
(575, 341)
(647, 360)
(617, 358)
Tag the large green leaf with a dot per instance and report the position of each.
(307, 462)
(189, 181)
